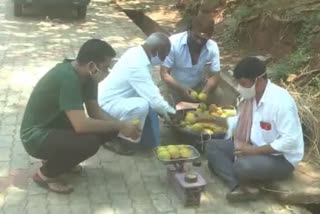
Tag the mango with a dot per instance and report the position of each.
(214, 114)
(161, 148)
(170, 147)
(190, 117)
(213, 107)
(230, 112)
(224, 115)
(206, 113)
(185, 153)
(174, 153)
(181, 146)
(203, 106)
(202, 97)
(207, 131)
(196, 127)
(194, 95)
(164, 155)
(199, 110)
(219, 111)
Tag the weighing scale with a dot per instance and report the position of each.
(187, 183)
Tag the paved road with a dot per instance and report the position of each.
(29, 47)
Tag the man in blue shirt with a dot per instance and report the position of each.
(192, 54)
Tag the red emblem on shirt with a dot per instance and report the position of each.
(266, 126)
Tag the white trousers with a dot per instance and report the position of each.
(128, 109)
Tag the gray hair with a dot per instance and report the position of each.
(158, 40)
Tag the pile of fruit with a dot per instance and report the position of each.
(173, 152)
(190, 119)
(202, 97)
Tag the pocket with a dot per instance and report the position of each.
(268, 135)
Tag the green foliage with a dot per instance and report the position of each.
(291, 64)
(241, 12)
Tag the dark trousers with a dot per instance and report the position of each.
(64, 149)
(245, 168)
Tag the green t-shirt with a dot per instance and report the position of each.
(58, 91)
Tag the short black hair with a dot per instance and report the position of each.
(95, 50)
(249, 68)
(202, 23)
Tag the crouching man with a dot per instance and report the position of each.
(267, 140)
(55, 127)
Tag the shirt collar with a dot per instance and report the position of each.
(184, 40)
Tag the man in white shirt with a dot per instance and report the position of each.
(129, 92)
(192, 54)
(268, 140)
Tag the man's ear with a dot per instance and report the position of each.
(91, 67)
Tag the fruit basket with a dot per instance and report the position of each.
(198, 133)
(194, 154)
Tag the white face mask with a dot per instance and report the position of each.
(155, 60)
(98, 75)
(248, 93)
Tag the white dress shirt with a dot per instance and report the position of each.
(179, 60)
(131, 77)
(278, 109)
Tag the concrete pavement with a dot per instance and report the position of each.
(109, 184)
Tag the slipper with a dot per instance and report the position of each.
(51, 184)
(119, 148)
(243, 194)
(74, 170)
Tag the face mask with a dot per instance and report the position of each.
(98, 75)
(155, 60)
(248, 93)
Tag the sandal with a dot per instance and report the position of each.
(51, 184)
(74, 170)
(243, 194)
(119, 148)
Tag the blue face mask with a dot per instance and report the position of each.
(155, 60)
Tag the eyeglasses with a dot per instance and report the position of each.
(99, 70)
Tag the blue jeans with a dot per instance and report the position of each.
(151, 131)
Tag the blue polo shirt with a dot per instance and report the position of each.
(179, 60)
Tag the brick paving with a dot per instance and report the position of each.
(109, 184)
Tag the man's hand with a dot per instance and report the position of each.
(128, 129)
(246, 150)
(187, 95)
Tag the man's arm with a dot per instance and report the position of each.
(85, 125)
(211, 83)
(255, 150)
(140, 79)
(214, 69)
(96, 112)
(170, 81)
(174, 85)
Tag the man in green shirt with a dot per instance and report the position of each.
(55, 127)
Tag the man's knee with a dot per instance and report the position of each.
(89, 145)
(140, 107)
(243, 168)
